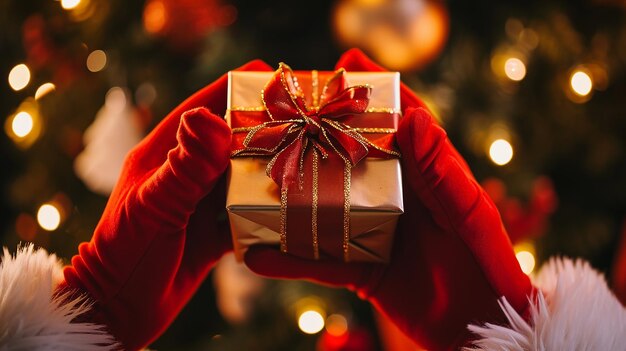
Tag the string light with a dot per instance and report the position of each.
(336, 325)
(19, 77)
(501, 152)
(44, 90)
(69, 4)
(48, 217)
(514, 69)
(22, 124)
(96, 60)
(311, 322)
(581, 83)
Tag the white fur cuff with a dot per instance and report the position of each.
(32, 317)
(575, 310)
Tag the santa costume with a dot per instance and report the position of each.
(453, 280)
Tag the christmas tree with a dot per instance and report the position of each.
(531, 93)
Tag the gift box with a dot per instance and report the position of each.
(313, 169)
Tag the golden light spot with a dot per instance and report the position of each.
(19, 77)
(22, 124)
(501, 152)
(69, 4)
(96, 60)
(581, 83)
(526, 261)
(311, 322)
(514, 69)
(44, 90)
(48, 217)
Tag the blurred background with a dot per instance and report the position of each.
(533, 94)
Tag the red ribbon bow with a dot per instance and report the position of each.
(293, 126)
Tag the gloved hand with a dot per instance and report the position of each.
(159, 235)
(451, 258)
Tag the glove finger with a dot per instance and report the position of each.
(157, 144)
(457, 203)
(356, 60)
(271, 263)
(208, 237)
(170, 194)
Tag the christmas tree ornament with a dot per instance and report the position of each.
(404, 35)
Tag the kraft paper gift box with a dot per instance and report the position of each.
(335, 210)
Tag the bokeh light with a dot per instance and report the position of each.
(525, 254)
(311, 322)
(155, 16)
(25, 125)
(44, 90)
(402, 35)
(501, 152)
(145, 94)
(336, 325)
(514, 69)
(22, 124)
(69, 4)
(529, 39)
(25, 227)
(48, 217)
(526, 261)
(581, 83)
(96, 60)
(370, 3)
(19, 77)
(513, 28)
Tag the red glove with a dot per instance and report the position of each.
(451, 258)
(159, 235)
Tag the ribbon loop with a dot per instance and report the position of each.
(292, 119)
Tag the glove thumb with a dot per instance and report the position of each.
(192, 168)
